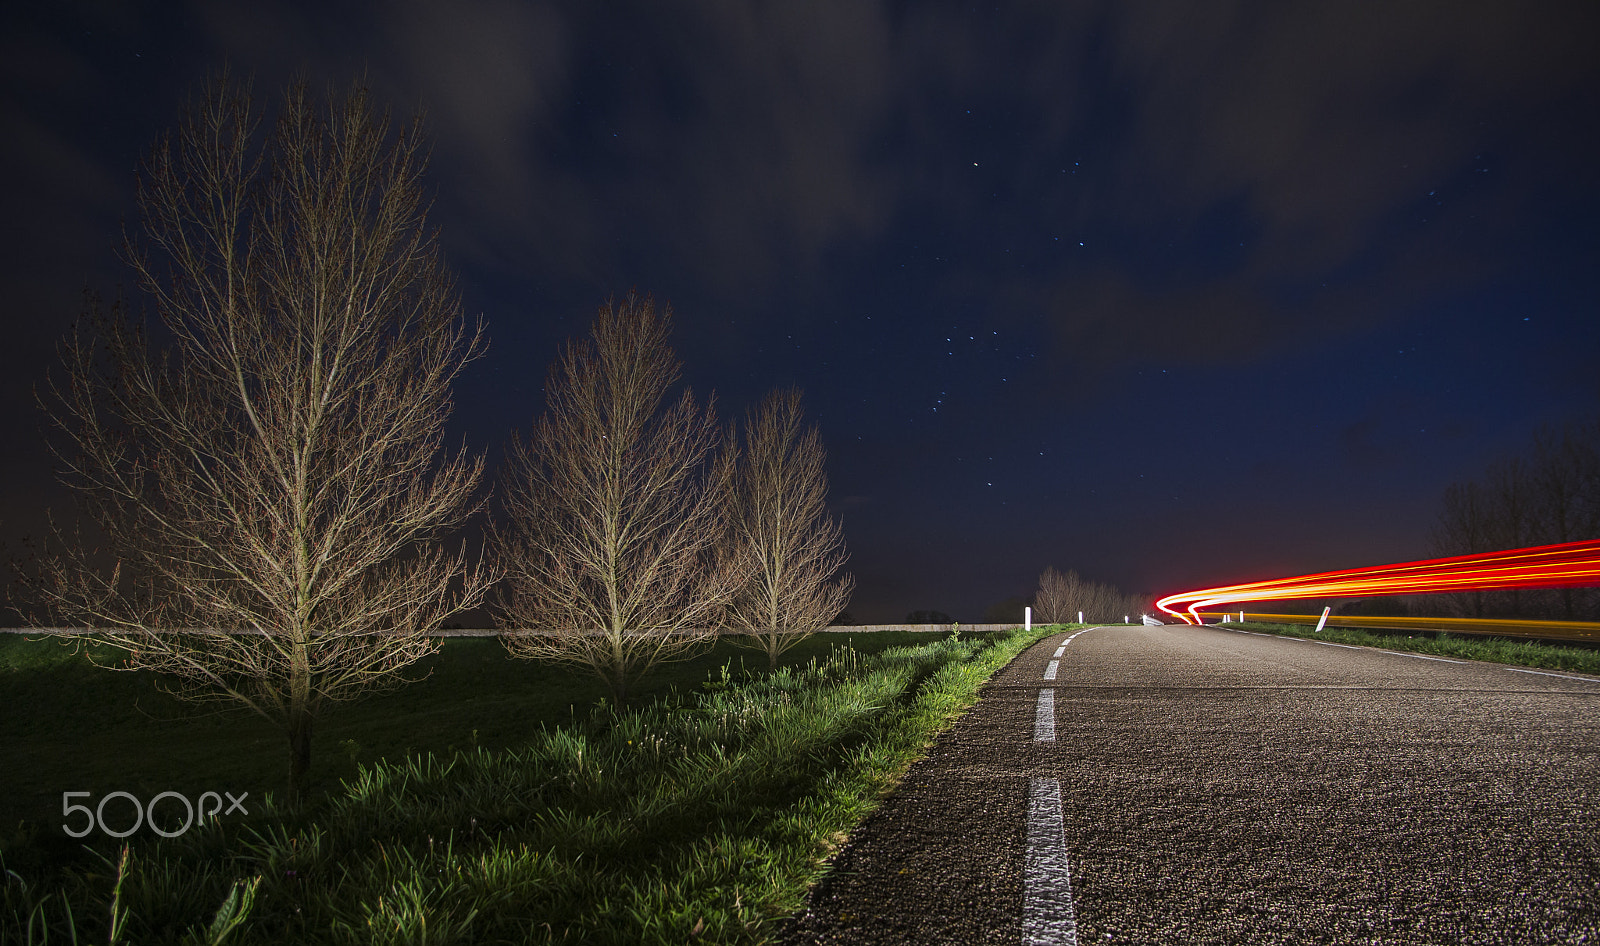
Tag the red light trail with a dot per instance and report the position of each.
(1546, 566)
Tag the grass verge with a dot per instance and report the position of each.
(67, 725)
(1492, 649)
(695, 819)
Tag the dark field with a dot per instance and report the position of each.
(69, 726)
(494, 801)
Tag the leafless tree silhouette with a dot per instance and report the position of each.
(614, 543)
(1052, 600)
(1464, 527)
(271, 487)
(1566, 506)
(1061, 596)
(1549, 495)
(779, 518)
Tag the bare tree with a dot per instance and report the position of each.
(779, 519)
(1549, 496)
(1511, 496)
(1565, 507)
(614, 545)
(270, 487)
(1463, 528)
(1052, 600)
(1061, 596)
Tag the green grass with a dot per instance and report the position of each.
(71, 726)
(1494, 649)
(697, 817)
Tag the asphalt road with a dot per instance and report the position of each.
(1222, 787)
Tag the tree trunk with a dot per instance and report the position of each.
(300, 724)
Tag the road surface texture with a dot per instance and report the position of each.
(1217, 786)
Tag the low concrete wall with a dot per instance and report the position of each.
(913, 628)
(494, 632)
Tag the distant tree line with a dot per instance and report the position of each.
(1549, 493)
(1062, 595)
(1009, 611)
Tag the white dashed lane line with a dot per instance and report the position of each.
(1044, 717)
(1563, 676)
(1048, 918)
(1050, 671)
(1442, 660)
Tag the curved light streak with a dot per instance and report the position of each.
(1545, 566)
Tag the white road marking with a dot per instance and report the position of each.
(1048, 918)
(1421, 657)
(1050, 671)
(1044, 717)
(1396, 653)
(1286, 637)
(1564, 676)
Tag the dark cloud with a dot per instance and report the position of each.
(774, 151)
(494, 78)
(1107, 316)
(1330, 115)
(720, 142)
(735, 130)
(1330, 127)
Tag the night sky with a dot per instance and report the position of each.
(1172, 294)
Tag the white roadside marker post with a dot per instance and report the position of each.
(1027, 618)
(1322, 620)
(1080, 617)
